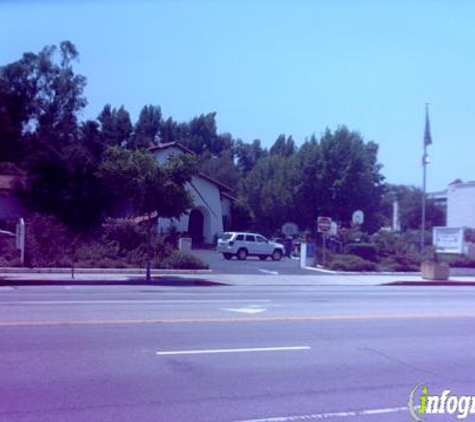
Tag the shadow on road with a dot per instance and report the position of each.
(156, 281)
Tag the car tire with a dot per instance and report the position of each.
(276, 255)
(241, 254)
(262, 257)
(227, 256)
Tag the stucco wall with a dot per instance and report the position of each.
(163, 155)
(208, 201)
(461, 205)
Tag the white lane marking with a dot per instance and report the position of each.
(245, 350)
(296, 418)
(245, 310)
(269, 272)
(123, 302)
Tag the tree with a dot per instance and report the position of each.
(248, 155)
(221, 168)
(349, 177)
(410, 207)
(147, 129)
(115, 125)
(283, 146)
(269, 191)
(40, 97)
(136, 177)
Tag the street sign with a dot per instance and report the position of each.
(324, 224)
(358, 218)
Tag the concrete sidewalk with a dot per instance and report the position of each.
(62, 276)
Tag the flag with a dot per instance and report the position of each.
(427, 136)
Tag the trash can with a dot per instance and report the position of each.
(184, 244)
(288, 246)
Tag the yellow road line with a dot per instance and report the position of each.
(296, 318)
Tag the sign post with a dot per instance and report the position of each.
(324, 225)
(20, 239)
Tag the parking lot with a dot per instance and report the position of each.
(252, 265)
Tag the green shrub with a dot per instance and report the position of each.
(366, 251)
(183, 261)
(394, 264)
(462, 262)
(124, 232)
(351, 263)
(48, 243)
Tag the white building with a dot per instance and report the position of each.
(459, 201)
(211, 214)
(461, 204)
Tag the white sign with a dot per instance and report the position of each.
(358, 218)
(334, 228)
(290, 229)
(448, 239)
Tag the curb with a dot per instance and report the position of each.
(119, 271)
(442, 283)
(375, 273)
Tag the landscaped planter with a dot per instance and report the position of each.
(435, 270)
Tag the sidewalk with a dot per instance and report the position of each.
(96, 276)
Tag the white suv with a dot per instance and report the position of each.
(244, 244)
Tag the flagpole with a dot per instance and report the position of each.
(427, 141)
(424, 180)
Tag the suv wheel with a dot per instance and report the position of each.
(242, 254)
(276, 255)
(227, 256)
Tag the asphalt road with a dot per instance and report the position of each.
(252, 265)
(126, 353)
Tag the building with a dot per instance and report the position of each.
(461, 204)
(10, 206)
(459, 201)
(211, 214)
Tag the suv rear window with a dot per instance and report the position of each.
(226, 236)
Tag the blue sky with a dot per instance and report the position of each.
(272, 67)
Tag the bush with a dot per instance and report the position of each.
(366, 251)
(398, 265)
(351, 263)
(48, 243)
(124, 232)
(183, 261)
(461, 262)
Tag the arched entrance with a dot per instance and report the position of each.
(196, 226)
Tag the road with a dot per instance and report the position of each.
(154, 353)
(252, 265)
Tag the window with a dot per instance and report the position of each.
(250, 238)
(261, 239)
(240, 237)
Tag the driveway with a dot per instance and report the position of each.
(252, 265)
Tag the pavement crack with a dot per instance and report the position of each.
(395, 359)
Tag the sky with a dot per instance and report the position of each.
(268, 67)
